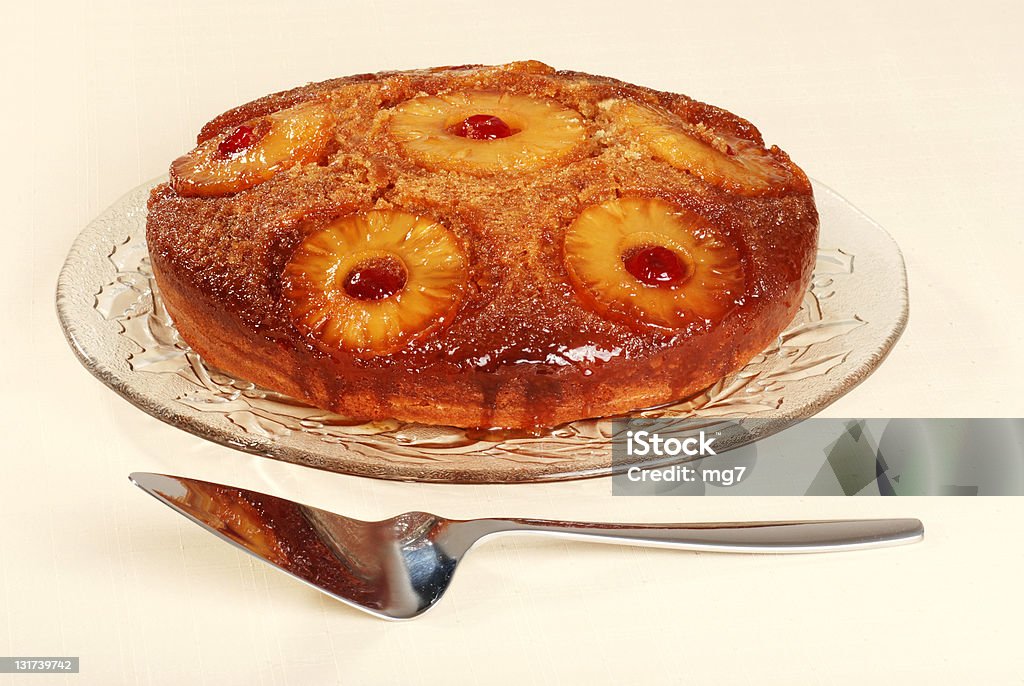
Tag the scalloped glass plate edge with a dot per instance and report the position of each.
(112, 317)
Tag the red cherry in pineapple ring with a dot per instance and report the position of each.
(482, 127)
(656, 266)
(375, 279)
(240, 139)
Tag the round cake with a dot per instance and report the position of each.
(508, 246)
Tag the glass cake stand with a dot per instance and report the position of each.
(114, 319)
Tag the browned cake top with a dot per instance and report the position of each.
(519, 302)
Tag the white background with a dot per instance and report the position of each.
(913, 111)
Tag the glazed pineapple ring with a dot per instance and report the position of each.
(372, 282)
(255, 151)
(686, 272)
(731, 163)
(531, 131)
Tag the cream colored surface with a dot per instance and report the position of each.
(912, 110)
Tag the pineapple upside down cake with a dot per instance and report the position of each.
(507, 246)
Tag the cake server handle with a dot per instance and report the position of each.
(749, 537)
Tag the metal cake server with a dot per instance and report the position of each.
(399, 568)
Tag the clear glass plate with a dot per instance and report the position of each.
(115, 321)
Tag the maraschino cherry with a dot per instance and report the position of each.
(242, 138)
(375, 279)
(656, 266)
(482, 127)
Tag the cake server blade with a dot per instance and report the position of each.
(399, 568)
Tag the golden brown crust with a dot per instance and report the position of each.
(523, 351)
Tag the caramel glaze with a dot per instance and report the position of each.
(523, 351)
